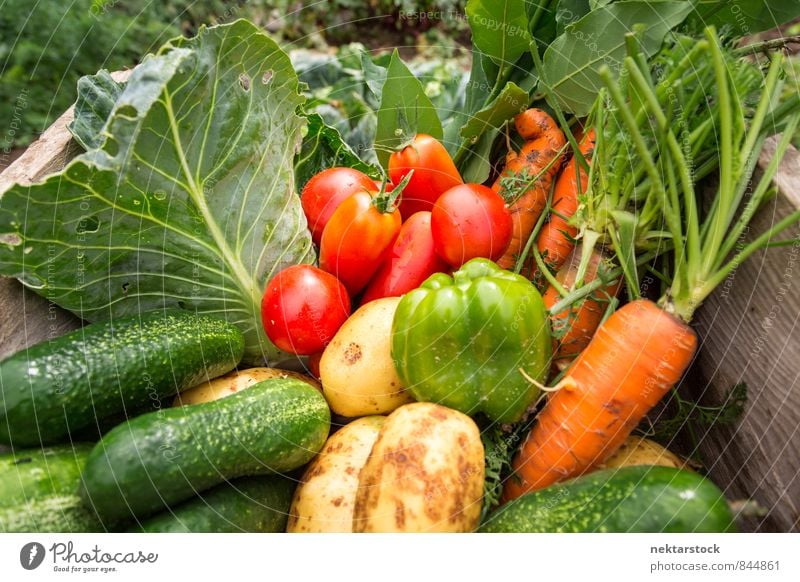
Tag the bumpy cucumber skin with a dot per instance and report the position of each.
(250, 504)
(39, 491)
(54, 514)
(65, 384)
(632, 499)
(34, 473)
(160, 459)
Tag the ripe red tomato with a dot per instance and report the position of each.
(434, 173)
(302, 309)
(470, 221)
(323, 193)
(411, 261)
(358, 237)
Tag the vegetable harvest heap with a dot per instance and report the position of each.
(456, 323)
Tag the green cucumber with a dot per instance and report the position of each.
(39, 491)
(249, 504)
(162, 458)
(67, 384)
(630, 499)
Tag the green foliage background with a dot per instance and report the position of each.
(47, 45)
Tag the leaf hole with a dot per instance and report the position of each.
(128, 111)
(34, 281)
(125, 287)
(11, 239)
(182, 304)
(266, 77)
(244, 81)
(111, 146)
(88, 224)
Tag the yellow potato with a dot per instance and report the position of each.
(324, 500)
(425, 473)
(641, 451)
(233, 382)
(357, 372)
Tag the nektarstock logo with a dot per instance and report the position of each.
(31, 555)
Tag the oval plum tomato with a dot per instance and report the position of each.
(411, 261)
(302, 309)
(323, 193)
(358, 237)
(470, 221)
(434, 173)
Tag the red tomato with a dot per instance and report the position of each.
(302, 309)
(470, 221)
(411, 261)
(357, 238)
(434, 173)
(323, 193)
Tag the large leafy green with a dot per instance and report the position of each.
(482, 129)
(374, 76)
(190, 200)
(742, 17)
(405, 110)
(323, 147)
(570, 11)
(512, 100)
(499, 28)
(542, 23)
(346, 90)
(572, 61)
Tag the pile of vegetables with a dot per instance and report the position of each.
(449, 344)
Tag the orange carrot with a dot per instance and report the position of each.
(556, 239)
(575, 326)
(544, 140)
(637, 355)
(644, 348)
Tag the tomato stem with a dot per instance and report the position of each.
(385, 201)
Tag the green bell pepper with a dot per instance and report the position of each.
(462, 341)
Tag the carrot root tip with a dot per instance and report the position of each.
(533, 381)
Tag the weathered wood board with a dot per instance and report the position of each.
(750, 332)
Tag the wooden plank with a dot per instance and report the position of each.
(27, 318)
(750, 332)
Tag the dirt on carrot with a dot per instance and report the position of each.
(518, 182)
(556, 240)
(637, 355)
